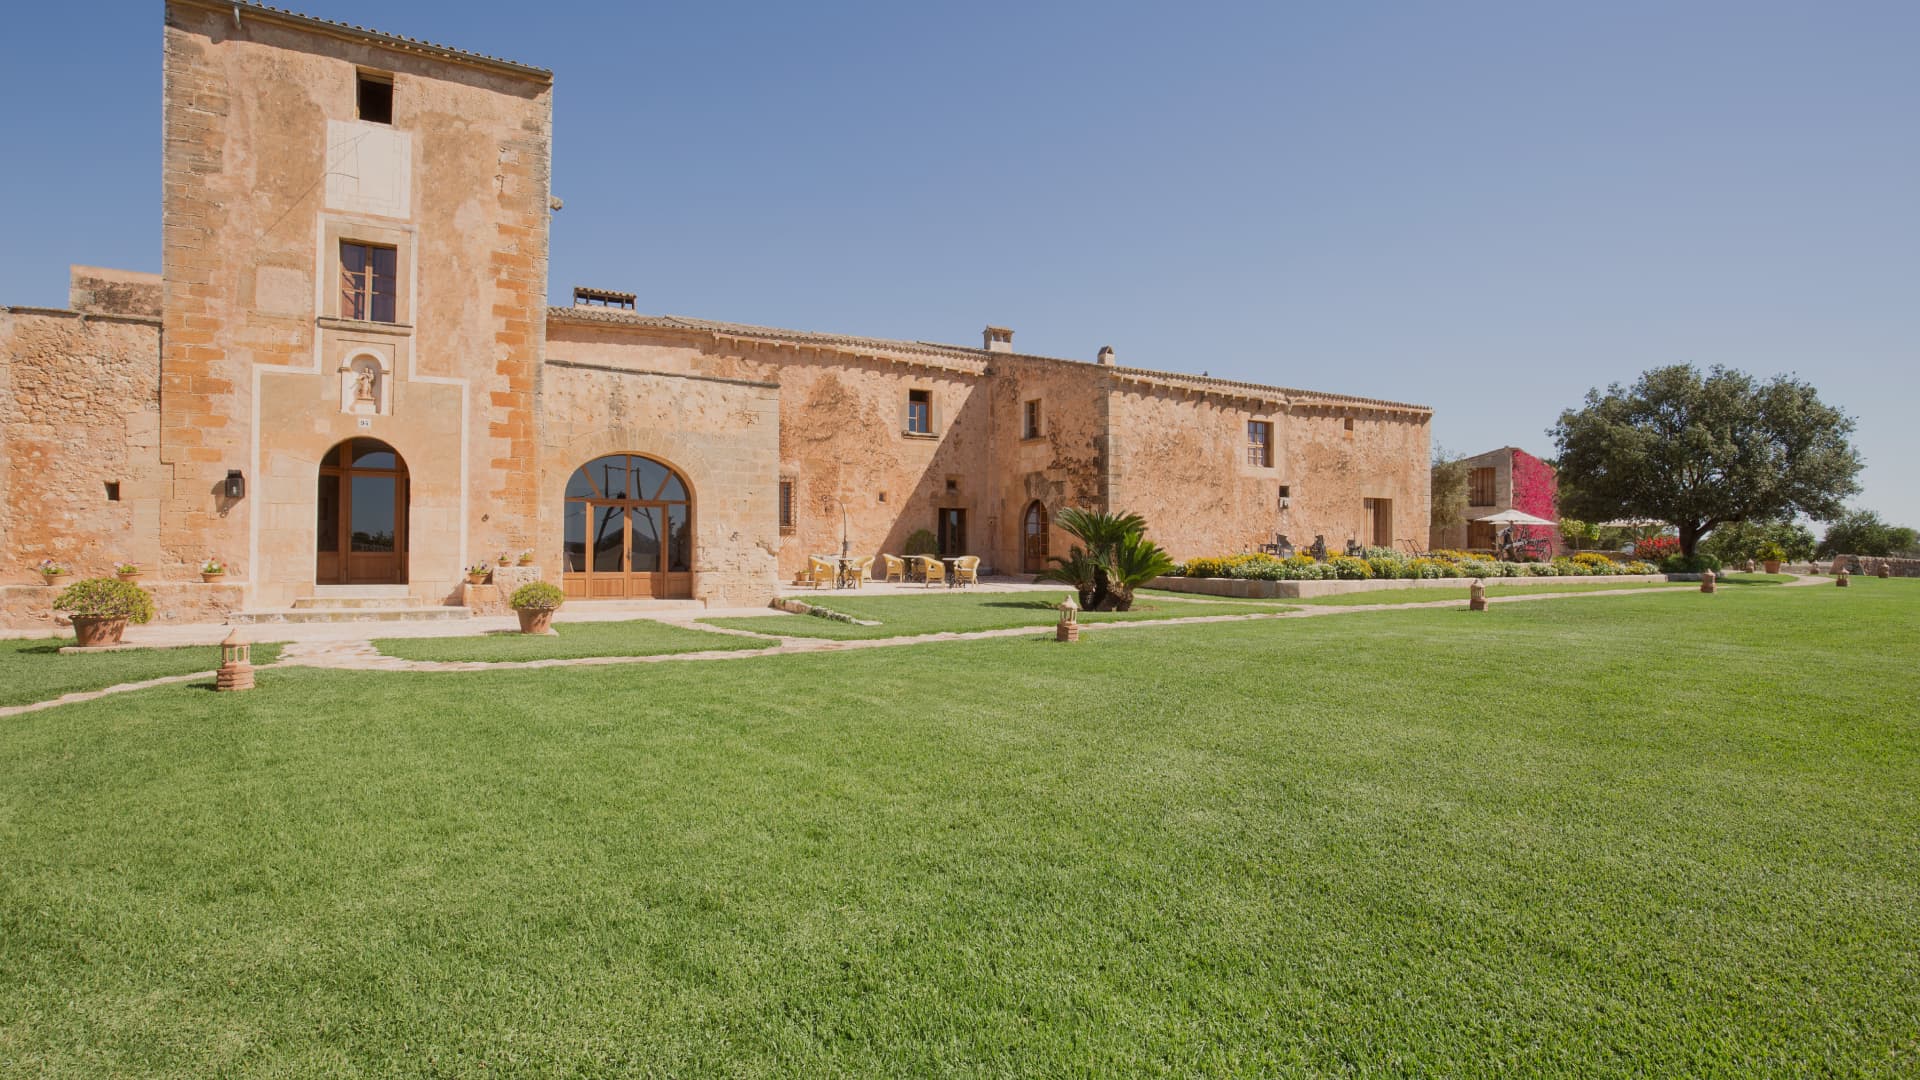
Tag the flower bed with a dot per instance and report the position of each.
(1385, 564)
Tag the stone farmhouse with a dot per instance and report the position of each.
(1505, 479)
(346, 376)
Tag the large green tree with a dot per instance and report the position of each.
(1448, 505)
(1861, 532)
(1699, 451)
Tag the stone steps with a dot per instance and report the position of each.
(407, 613)
(337, 603)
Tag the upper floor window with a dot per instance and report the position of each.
(920, 412)
(1260, 443)
(367, 281)
(1480, 488)
(787, 518)
(1030, 428)
(374, 96)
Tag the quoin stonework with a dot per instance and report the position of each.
(347, 375)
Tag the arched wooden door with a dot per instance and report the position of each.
(628, 530)
(361, 535)
(1034, 538)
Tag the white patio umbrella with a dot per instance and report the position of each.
(1514, 517)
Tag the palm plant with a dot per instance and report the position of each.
(1116, 560)
(1136, 560)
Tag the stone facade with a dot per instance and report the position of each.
(221, 394)
(1512, 479)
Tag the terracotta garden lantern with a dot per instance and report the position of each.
(1477, 595)
(1069, 627)
(1707, 579)
(236, 663)
(1840, 577)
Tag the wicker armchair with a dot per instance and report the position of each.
(966, 570)
(895, 568)
(857, 573)
(819, 571)
(933, 570)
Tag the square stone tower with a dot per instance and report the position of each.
(355, 267)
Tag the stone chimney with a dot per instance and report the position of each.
(998, 339)
(1106, 355)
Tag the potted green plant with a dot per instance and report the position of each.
(101, 608)
(477, 574)
(212, 569)
(505, 559)
(526, 557)
(1771, 553)
(535, 602)
(127, 571)
(51, 572)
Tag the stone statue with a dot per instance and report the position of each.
(363, 385)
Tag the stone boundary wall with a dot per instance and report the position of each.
(30, 607)
(1249, 588)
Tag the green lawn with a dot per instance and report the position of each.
(1648, 835)
(1457, 590)
(32, 669)
(638, 637)
(902, 616)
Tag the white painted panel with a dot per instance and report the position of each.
(369, 168)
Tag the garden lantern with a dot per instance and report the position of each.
(1477, 595)
(1840, 577)
(1069, 628)
(1707, 579)
(1886, 570)
(236, 663)
(236, 486)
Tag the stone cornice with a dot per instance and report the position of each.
(360, 35)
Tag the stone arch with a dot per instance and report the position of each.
(627, 529)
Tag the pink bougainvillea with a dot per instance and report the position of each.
(1534, 489)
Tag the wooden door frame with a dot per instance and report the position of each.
(336, 463)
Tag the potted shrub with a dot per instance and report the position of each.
(127, 571)
(51, 572)
(1770, 555)
(101, 608)
(535, 603)
(526, 557)
(505, 559)
(477, 574)
(213, 569)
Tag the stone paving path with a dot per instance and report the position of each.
(361, 655)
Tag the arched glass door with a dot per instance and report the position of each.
(1034, 538)
(361, 535)
(628, 530)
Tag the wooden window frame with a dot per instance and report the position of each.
(789, 507)
(1260, 443)
(1030, 420)
(363, 80)
(359, 295)
(923, 415)
(1474, 492)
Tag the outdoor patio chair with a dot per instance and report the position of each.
(966, 570)
(819, 571)
(932, 570)
(857, 573)
(895, 567)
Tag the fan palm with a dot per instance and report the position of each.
(1136, 560)
(1102, 533)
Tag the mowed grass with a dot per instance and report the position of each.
(1650, 835)
(1495, 590)
(936, 613)
(636, 637)
(33, 669)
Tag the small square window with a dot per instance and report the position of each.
(113, 491)
(1349, 427)
(920, 412)
(1030, 428)
(952, 484)
(374, 95)
(1286, 491)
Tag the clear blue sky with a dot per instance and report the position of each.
(1488, 208)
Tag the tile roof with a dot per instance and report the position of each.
(983, 357)
(399, 42)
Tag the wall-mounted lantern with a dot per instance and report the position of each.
(236, 487)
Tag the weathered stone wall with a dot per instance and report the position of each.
(266, 170)
(99, 291)
(721, 434)
(1064, 467)
(78, 411)
(1182, 463)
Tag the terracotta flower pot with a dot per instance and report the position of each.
(52, 579)
(526, 562)
(134, 576)
(535, 620)
(95, 632)
(1772, 565)
(476, 579)
(210, 578)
